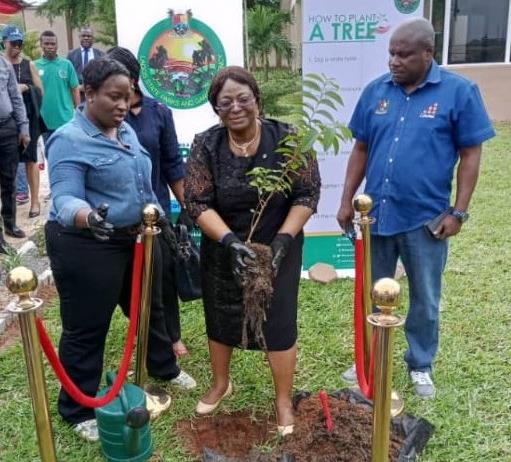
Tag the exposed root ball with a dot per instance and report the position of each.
(257, 293)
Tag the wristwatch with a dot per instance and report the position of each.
(462, 217)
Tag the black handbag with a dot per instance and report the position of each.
(188, 279)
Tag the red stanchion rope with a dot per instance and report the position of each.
(365, 384)
(60, 372)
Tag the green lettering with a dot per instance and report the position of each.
(359, 31)
(346, 31)
(371, 27)
(336, 26)
(316, 33)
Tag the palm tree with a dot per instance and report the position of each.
(265, 34)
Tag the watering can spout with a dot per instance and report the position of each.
(136, 419)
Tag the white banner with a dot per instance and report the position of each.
(347, 40)
(181, 44)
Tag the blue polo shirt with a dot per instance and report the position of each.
(86, 169)
(413, 142)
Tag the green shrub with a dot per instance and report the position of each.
(278, 91)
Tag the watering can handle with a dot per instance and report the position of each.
(110, 379)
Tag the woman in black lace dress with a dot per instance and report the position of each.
(220, 199)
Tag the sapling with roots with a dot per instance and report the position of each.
(316, 125)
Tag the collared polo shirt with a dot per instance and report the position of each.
(86, 169)
(413, 143)
(59, 77)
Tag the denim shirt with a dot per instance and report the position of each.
(87, 169)
(413, 143)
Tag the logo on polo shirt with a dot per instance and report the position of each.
(383, 107)
(429, 112)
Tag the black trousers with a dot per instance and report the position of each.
(92, 278)
(168, 243)
(9, 159)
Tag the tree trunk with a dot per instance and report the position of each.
(69, 31)
(266, 68)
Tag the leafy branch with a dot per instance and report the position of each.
(315, 110)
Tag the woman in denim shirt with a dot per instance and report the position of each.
(95, 160)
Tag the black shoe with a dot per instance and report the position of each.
(14, 231)
(4, 247)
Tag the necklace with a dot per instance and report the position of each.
(243, 147)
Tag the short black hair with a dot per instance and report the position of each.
(238, 74)
(99, 70)
(47, 33)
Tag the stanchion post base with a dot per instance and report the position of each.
(157, 400)
(397, 404)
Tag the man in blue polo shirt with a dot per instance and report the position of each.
(411, 127)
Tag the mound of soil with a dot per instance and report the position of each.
(232, 435)
(234, 438)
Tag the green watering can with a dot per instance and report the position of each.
(123, 425)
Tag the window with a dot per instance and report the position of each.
(437, 19)
(478, 31)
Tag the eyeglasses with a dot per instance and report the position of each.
(243, 102)
(17, 43)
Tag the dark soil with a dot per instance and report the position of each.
(47, 294)
(231, 435)
(237, 435)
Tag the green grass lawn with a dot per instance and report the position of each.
(472, 410)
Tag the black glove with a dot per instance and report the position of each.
(280, 247)
(184, 218)
(96, 222)
(239, 253)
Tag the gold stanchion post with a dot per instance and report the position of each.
(21, 281)
(363, 205)
(157, 399)
(386, 297)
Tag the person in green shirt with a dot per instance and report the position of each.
(60, 82)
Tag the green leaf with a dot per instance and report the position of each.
(335, 96)
(309, 95)
(313, 85)
(317, 77)
(326, 114)
(309, 140)
(327, 102)
(336, 144)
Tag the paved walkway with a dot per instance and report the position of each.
(31, 225)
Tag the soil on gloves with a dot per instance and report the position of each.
(236, 436)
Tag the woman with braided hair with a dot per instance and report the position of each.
(154, 126)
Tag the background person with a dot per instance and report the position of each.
(154, 126)
(80, 56)
(93, 160)
(14, 131)
(220, 199)
(60, 84)
(412, 126)
(31, 88)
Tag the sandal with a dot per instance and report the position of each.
(34, 213)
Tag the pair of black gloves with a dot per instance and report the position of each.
(102, 230)
(239, 253)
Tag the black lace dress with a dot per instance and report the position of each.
(216, 179)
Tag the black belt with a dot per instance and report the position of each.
(132, 230)
(4, 120)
